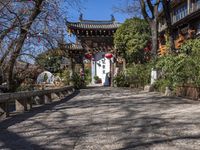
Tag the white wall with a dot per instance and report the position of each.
(102, 68)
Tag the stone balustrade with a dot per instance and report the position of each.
(188, 91)
(24, 100)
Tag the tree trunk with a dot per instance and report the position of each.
(20, 43)
(167, 10)
(10, 48)
(151, 16)
(171, 41)
(154, 34)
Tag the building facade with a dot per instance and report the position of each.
(185, 18)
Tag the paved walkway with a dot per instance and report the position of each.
(106, 119)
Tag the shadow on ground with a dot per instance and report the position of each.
(105, 119)
(13, 141)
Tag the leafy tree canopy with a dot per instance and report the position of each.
(131, 38)
(50, 60)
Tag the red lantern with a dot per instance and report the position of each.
(109, 55)
(88, 56)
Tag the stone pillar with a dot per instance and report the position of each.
(82, 70)
(189, 6)
(72, 69)
(38, 100)
(65, 93)
(29, 103)
(4, 110)
(47, 99)
(21, 105)
(61, 96)
(115, 72)
(154, 75)
(95, 65)
(111, 73)
(55, 97)
(70, 91)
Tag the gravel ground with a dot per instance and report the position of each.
(106, 119)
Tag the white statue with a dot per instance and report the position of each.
(46, 77)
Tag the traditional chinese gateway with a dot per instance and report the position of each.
(96, 41)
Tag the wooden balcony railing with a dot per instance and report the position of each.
(194, 7)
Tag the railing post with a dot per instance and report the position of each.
(21, 105)
(64, 93)
(29, 103)
(47, 98)
(71, 90)
(38, 100)
(55, 97)
(4, 110)
(61, 96)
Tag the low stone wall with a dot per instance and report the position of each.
(25, 100)
(191, 92)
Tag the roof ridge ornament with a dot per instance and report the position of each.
(112, 18)
(81, 17)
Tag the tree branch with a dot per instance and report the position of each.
(144, 12)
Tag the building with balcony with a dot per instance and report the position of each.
(185, 18)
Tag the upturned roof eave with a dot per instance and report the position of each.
(95, 26)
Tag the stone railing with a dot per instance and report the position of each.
(24, 101)
(188, 91)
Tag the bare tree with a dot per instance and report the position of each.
(130, 7)
(26, 29)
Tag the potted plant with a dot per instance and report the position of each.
(96, 79)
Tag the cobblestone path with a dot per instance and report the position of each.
(106, 119)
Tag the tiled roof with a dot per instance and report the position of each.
(74, 46)
(89, 24)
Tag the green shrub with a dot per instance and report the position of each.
(77, 81)
(96, 78)
(136, 75)
(65, 76)
(180, 69)
(191, 47)
(121, 80)
(161, 84)
(88, 77)
(25, 88)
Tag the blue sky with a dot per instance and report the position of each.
(98, 10)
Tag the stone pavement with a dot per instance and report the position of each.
(106, 119)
